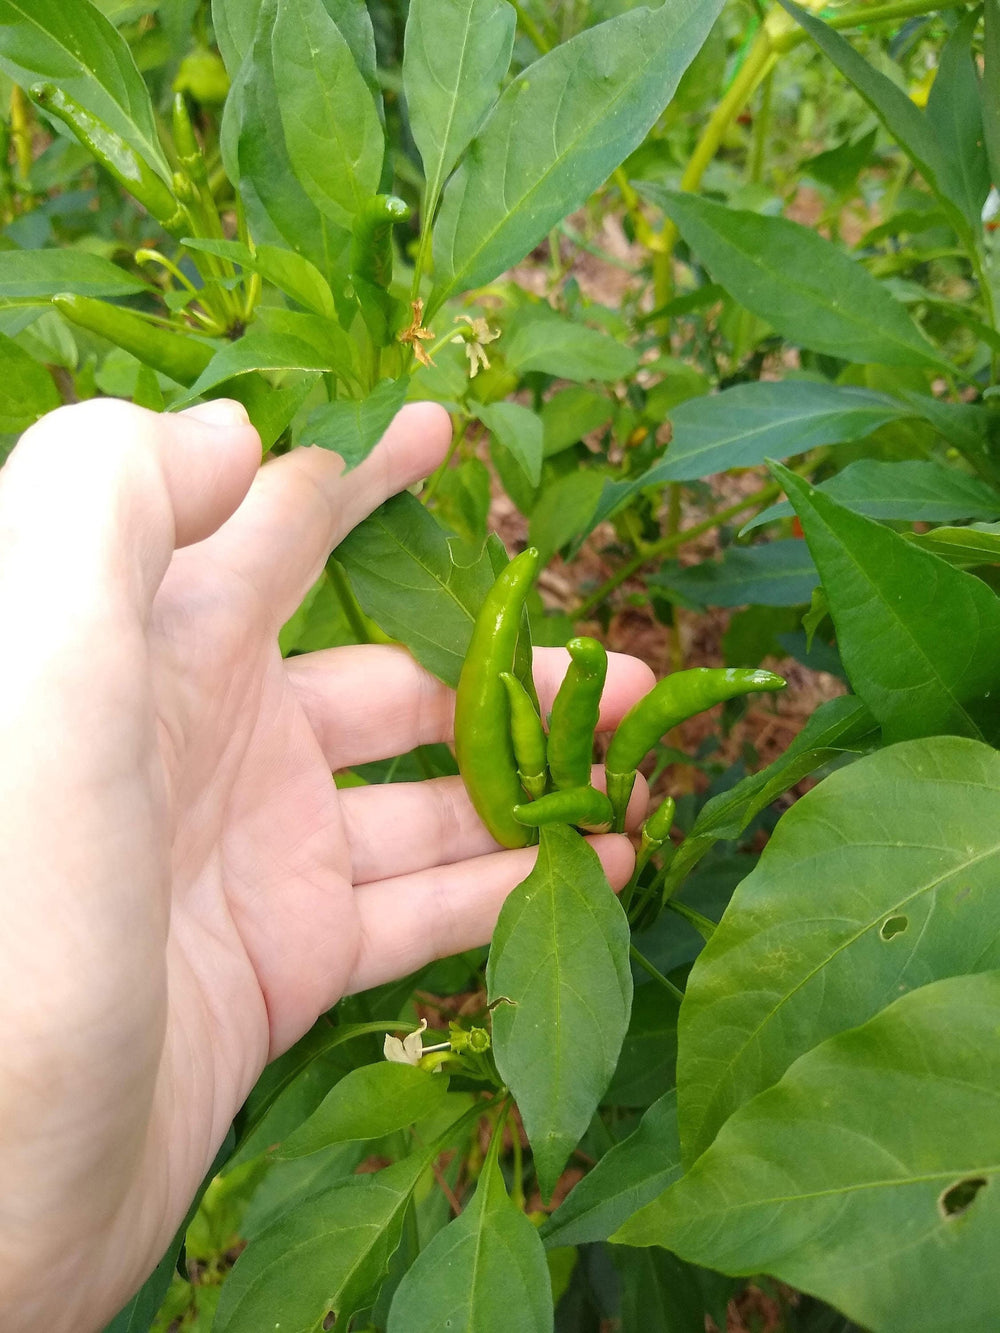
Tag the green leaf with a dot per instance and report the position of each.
(571, 414)
(234, 23)
(36, 275)
(519, 430)
(564, 510)
(917, 490)
(71, 43)
(989, 87)
(352, 427)
(256, 351)
(662, 1292)
(912, 130)
(332, 129)
(559, 962)
(597, 95)
(27, 390)
(879, 880)
(868, 1175)
(920, 641)
(630, 1175)
(803, 285)
(954, 109)
(256, 160)
(404, 574)
(291, 273)
(545, 341)
(326, 1252)
(978, 544)
(366, 1104)
(475, 1273)
(840, 726)
(779, 573)
(455, 55)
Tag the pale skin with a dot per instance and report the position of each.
(182, 888)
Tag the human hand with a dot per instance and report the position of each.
(182, 888)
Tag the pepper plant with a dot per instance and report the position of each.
(779, 1065)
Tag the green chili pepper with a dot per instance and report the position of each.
(574, 714)
(371, 243)
(656, 829)
(174, 354)
(117, 156)
(673, 700)
(187, 145)
(483, 745)
(528, 737)
(586, 807)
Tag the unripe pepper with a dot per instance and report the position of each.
(174, 354)
(586, 807)
(574, 714)
(483, 745)
(527, 736)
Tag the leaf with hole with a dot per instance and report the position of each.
(869, 1175)
(879, 880)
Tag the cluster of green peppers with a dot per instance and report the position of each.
(502, 749)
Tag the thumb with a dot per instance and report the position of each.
(100, 494)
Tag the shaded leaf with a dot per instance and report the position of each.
(597, 95)
(256, 351)
(877, 881)
(351, 427)
(631, 1174)
(779, 573)
(519, 430)
(917, 490)
(366, 1104)
(545, 341)
(803, 285)
(920, 640)
(559, 960)
(868, 1175)
(484, 1265)
(403, 572)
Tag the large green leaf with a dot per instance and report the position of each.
(257, 162)
(989, 86)
(840, 726)
(352, 427)
(291, 273)
(909, 126)
(597, 95)
(520, 432)
(779, 573)
(868, 1175)
(27, 390)
(917, 490)
(331, 124)
(482, 1273)
(801, 283)
(36, 275)
(367, 1103)
(234, 23)
(326, 1252)
(71, 43)
(630, 1175)
(258, 350)
(404, 573)
(954, 110)
(919, 639)
(455, 55)
(879, 880)
(559, 968)
(548, 342)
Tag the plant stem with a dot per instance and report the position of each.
(704, 927)
(458, 435)
(672, 542)
(531, 29)
(657, 976)
(348, 602)
(865, 17)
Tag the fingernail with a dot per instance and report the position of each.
(218, 412)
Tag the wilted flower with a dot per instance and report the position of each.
(475, 338)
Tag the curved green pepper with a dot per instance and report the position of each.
(586, 807)
(117, 156)
(574, 714)
(174, 354)
(528, 737)
(371, 240)
(673, 700)
(483, 745)
(657, 826)
(186, 143)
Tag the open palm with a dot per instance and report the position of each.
(183, 889)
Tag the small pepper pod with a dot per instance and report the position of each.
(528, 737)
(671, 701)
(586, 807)
(575, 710)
